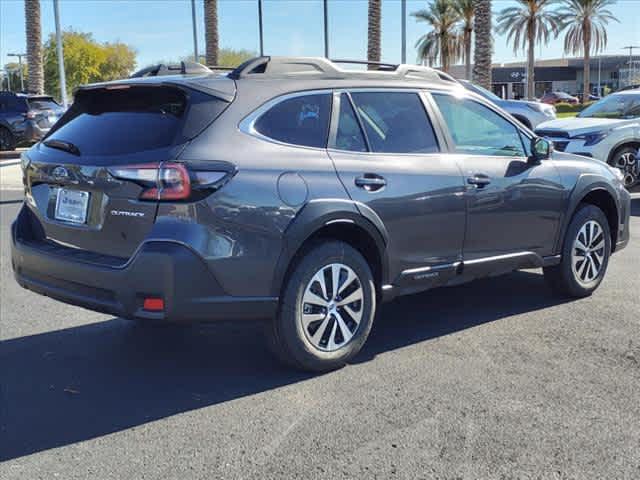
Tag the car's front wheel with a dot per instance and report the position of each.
(7, 140)
(326, 310)
(585, 254)
(626, 160)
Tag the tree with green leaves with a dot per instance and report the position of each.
(586, 22)
(86, 61)
(527, 24)
(442, 41)
(483, 49)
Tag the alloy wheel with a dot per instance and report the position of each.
(588, 253)
(332, 307)
(628, 165)
(5, 139)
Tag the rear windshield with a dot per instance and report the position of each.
(134, 119)
(42, 104)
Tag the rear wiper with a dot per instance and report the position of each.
(63, 145)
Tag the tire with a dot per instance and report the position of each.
(523, 121)
(323, 335)
(584, 279)
(7, 140)
(626, 160)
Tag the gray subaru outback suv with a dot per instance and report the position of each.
(296, 190)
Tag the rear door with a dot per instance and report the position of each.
(389, 158)
(88, 183)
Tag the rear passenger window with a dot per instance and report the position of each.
(395, 122)
(300, 120)
(349, 135)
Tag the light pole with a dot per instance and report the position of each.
(63, 80)
(403, 26)
(326, 28)
(260, 33)
(19, 55)
(195, 31)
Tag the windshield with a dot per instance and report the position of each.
(614, 106)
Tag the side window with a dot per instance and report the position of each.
(349, 134)
(478, 130)
(299, 120)
(395, 122)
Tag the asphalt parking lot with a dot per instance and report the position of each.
(495, 379)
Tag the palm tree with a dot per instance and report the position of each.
(211, 31)
(373, 34)
(526, 24)
(484, 44)
(442, 41)
(586, 21)
(466, 12)
(35, 82)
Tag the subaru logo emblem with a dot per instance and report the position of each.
(60, 173)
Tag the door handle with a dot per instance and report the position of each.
(479, 180)
(371, 182)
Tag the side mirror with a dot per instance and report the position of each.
(541, 149)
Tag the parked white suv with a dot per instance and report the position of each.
(608, 130)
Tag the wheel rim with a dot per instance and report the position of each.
(588, 252)
(332, 307)
(4, 138)
(627, 163)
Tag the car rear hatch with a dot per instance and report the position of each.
(93, 184)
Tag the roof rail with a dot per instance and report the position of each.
(183, 68)
(320, 66)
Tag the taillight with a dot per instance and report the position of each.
(169, 180)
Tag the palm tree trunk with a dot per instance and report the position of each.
(373, 35)
(467, 53)
(211, 31)
(484, 45)
(33, 29)
(586, 37)
(531, 62)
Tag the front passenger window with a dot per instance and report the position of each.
(478, 130)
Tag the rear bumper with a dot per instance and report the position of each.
(163, 269)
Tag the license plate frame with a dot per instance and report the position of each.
(72, 206)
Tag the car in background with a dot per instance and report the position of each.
(608, 130)
(530, 114)
(26, 118)
(552, 98)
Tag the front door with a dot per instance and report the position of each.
(513, 204)
(389, 158)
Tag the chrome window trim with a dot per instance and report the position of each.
(247, 124)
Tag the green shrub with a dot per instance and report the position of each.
(569, 108)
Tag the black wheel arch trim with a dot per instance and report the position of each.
(585, 185)
(316, 215)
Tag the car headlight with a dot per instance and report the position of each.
(592, 138)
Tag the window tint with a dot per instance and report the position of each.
(108, 122)
(300, 120)
(395, 122)
(349, 135)
(477, 129)
(43, 103)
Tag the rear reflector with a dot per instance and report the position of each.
(153, 304)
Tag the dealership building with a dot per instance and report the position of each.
(563, 74)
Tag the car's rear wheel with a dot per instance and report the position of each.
(7, 140)
(326, 309)
(585, 254)
(626, 160)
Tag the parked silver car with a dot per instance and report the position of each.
(530, 114)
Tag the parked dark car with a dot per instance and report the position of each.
(553, 98)
(26, 118)
(301, 192)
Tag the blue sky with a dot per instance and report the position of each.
(161, 29)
